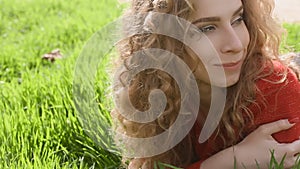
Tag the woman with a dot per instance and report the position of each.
(261, 113)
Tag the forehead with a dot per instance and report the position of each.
(209, 8)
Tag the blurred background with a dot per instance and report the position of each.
(288, 10)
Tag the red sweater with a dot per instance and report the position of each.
(282, 100)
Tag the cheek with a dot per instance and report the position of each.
(241, 32)
(244, 35)
(199, 71)
(195, 63)
(203, 50)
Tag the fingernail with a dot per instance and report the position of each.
(295, 120)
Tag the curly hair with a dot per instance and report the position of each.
(265, 37)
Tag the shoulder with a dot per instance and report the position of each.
(278, 92)
(278, 97)
(277, 76)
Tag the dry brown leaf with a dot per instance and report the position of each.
(53, 55)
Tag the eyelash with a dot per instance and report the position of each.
(210, 28)
(239, 20)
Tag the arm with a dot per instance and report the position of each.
(283, 103)
(254, 149)
(279, 101)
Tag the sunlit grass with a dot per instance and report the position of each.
(292, 38)
(38, 124)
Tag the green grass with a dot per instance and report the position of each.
(292, 38)
(38, 123)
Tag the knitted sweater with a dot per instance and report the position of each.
(275, 101)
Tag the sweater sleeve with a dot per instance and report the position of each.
(195, 165)
(278, 98)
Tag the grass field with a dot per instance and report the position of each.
(38, 123)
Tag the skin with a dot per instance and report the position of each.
(226, 31)
(228, 34)
(256, 149)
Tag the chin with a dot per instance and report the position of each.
(232, 81)
(226, 83)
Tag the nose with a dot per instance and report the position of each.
(232, 41)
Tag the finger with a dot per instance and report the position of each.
(147, 165)
(276, 126)
(295, 147)
(135, 164)
(290, 162)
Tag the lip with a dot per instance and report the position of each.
(231, 65)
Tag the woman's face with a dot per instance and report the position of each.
(225, 45)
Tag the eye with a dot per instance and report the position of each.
(208, 28)
(194, 33)
(238, 20)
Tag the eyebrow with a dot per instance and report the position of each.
(212, 19)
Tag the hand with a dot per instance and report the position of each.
(139, 163)
(256, 148)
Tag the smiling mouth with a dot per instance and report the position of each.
(231, 65)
